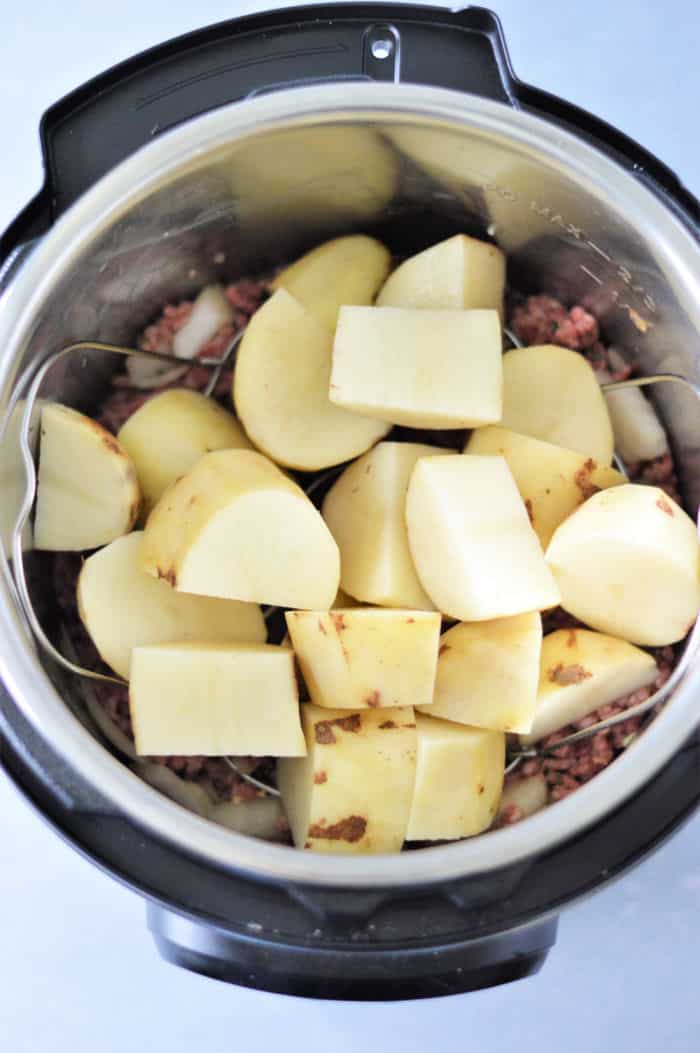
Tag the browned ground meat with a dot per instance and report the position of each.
(535, 320)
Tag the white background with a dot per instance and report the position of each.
(78, 972)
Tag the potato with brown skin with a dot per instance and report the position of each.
(552, 481)
(237, 527)
(87, 488)
(351, 794)
(366, 658)
(580, 671)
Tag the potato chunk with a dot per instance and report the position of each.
(87, 493)
(627, 563)
(581, 671)
(237, 527)
(280, 390)
(552, 394)
(365, 658)
(475, 552)
(459, 778)
(426, 369)
(459, 272)
(215, 699)
(346, 270)
(366, 512)
(169, 433)
(488, 672)
(552, 481)
(352, 792)
(122, 607)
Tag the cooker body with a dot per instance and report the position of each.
(298, 127)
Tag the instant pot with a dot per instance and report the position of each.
(212, 157)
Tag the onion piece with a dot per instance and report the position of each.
(146, 373)
(210, 312)
(256, 818)
(639, 434)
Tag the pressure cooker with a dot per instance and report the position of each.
(209, 158)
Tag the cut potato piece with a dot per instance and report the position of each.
(280, 390)
(364, 658)
(552, 394)
(460, 272)
(352, 792)
(426, 369)
(552, 481)
(122, 607)
(237, 527)
(346, 270)
(627, 563)
(522, 798)
(366, 512)
(210, 312)
(639, 434)
(87, 491)
(488, 673)
(212, 699)
(475, 552)
(169, 433)
(581, 671)
(459, 778)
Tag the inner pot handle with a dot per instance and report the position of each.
(90, 131)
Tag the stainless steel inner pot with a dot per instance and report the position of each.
(250, 184)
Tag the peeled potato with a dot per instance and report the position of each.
(366, 658)
(237, 527)
(580, 671)
(627, 563)
(352, 791)
(122, 607)
(459, 778)
(280, 390)
(552, 394)
(170, 432)
(88, 492)
(488, 672)
(458, 272)
(552, 481)
(346, 270)
(473, 547)
(365, 511)
(188, 699)
(425, 369)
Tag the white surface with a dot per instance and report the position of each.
(78, 968)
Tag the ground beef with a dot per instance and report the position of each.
(544, 320)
